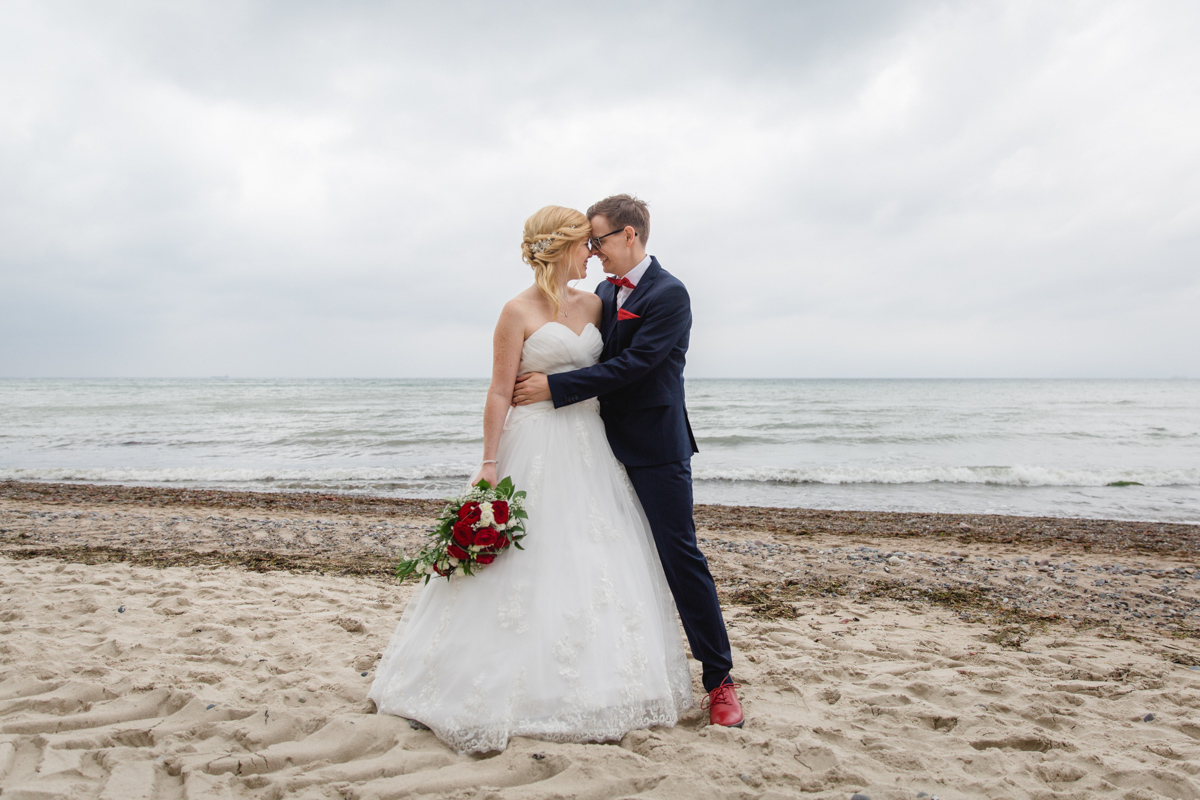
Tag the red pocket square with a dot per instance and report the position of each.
(623, 314)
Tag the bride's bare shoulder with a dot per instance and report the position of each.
(523, 304)
(590, 300)
(590, 304)
(521, 311)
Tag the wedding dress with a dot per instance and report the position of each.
(575, 638)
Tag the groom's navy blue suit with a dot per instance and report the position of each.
(639, 381)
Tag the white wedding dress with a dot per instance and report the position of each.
(574, 638)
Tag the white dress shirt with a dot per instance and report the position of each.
(635, 276)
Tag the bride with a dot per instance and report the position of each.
(574, 638)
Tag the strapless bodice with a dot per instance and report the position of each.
(556, 348)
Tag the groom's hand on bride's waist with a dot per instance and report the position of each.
(531, 387)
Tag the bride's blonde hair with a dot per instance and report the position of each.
(550, 234)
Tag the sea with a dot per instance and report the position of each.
(1112, 449)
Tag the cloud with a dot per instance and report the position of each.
(310, 190)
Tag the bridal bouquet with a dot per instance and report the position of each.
(471, 531)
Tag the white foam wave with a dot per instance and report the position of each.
(230, 476)
(363, 477)
(995, 476)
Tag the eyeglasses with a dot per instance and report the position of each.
(594, 242)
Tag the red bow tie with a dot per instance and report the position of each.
(622, 282)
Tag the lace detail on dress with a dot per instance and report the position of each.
(600, 528)
(584, 440)
(533, 484)
(510, 614)
(444, 619)
(603, 725)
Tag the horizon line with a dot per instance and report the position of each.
(480, 378)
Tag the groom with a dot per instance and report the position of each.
(646, 324)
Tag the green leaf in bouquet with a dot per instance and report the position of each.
(520, 513)
(505, 486)
(406, 568)
(482, 484)
(519, 494)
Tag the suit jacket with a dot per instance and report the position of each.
(639, 378)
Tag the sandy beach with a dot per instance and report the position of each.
(163, 643)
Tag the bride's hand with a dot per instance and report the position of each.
(531, 387)
(486, 473)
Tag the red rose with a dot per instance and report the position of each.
(469, 513)
(500, 511)
(438, 570)
(485, 558)
(463, 533)
(501, 542)
(485, 537)
(454, 551)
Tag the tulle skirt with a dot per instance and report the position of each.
(575, 638)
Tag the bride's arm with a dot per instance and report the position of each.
(506, 359)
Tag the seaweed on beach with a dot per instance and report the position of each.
(1012, 637)
(1185, 631)
(972, 603)
(763, 602)
(166, 497)
(1181, 658)
(777, 600)
(1090, 535)
(1012, 627)
(369, 566)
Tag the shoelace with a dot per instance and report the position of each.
(718, 695)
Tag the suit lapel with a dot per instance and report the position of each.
(609, 319)
(643, 285)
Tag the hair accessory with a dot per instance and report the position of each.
(542, 245)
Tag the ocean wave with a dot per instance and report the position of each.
(993, 476)
(197, 475)
(835, 475)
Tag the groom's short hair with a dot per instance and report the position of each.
(624, 210)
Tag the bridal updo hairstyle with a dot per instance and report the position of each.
(549, 236)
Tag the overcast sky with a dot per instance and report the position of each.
(928, 189)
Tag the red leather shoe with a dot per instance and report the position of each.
(723, 706)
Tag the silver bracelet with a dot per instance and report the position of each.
(489, 461)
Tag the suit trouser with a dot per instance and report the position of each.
(665, 491)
